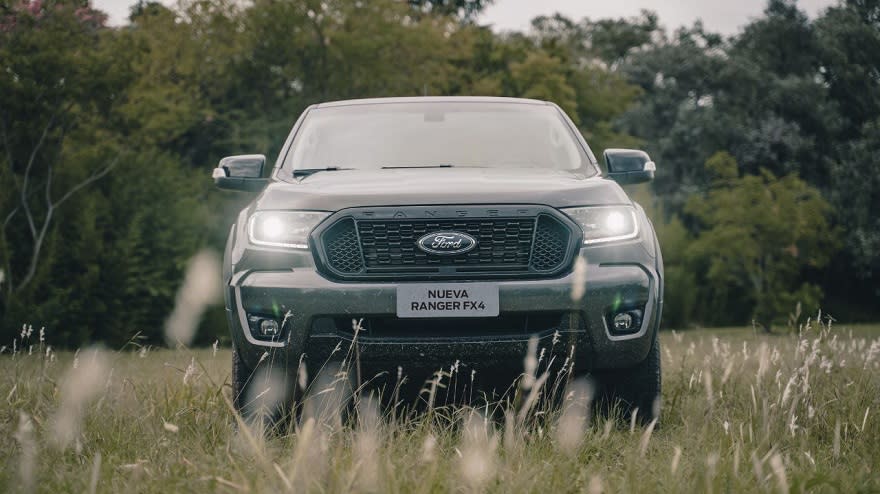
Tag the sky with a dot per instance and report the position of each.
(723, 16)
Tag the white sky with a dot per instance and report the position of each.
(725, 16)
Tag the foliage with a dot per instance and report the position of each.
(465, 9)
(855, 183)
(54, 102)
(681, 288)
(787, 94)
(759, 233)
(117, 127)
(97, 222)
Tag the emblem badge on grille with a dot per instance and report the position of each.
(446, 243)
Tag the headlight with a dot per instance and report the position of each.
(605, 223)
(288, 229)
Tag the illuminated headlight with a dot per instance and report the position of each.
(605, 223)
(288, 229)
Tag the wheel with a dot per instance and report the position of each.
(241, 375)
(636, 389)
(253, 395)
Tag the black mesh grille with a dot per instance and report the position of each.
(341, 244)
(551, 241)
(500, 242)
(505, 324)
(505, 246)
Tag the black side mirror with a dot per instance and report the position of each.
(629, 166)
(244, 172)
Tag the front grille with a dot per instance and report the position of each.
(341, 244)
(500, 242)
(365, 248)
(551, 243)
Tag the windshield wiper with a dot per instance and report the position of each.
(305, 172)
(445, 165)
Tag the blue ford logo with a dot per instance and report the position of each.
(447, 243)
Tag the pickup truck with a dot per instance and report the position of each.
(440, 231)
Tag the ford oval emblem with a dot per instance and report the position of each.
(447, 243)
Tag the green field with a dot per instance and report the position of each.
(742, 412)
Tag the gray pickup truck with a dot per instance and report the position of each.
(443, 230)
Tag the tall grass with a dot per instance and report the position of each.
(742, 412)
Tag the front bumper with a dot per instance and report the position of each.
(306, 300)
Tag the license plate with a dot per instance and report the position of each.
(447, 300)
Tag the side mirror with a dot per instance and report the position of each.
(244, 172)
(629, 166)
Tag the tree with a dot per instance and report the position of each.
(849, 51)
(613, 40)
(98, 219)
(855, 187)
(56, 83)
(589, 52)
(541, 76)
(788, 94)
(782, 41)
(86, 236)
(759, 234)
(676, 116)
(467, 10)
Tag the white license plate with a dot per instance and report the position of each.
(447, 300)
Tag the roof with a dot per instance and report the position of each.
(433, 99)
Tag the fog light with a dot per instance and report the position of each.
(623, 321)
(264, 327)
(269, 327)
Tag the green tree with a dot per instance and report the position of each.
(855, 189)
(57, 93)
(787, 93)
(680, 294)
(106, 134)
(541, 76)
(759, 235)
(464, 9)
(849, 52)
(759, 94)
(98, 220)
(589, 53)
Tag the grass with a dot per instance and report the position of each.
(742, 412)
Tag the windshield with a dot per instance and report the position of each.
(437, 134)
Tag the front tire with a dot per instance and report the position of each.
(256, 404)
(241, 375)
(635, 390)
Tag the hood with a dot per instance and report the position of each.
(336, 190)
